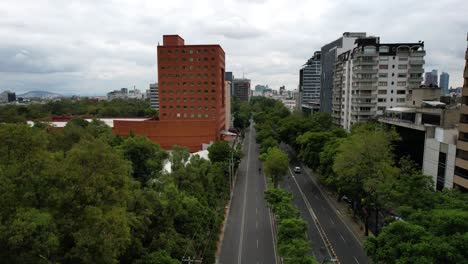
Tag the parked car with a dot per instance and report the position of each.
(297, 169)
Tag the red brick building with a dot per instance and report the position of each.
(191, 96)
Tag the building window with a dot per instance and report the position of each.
(191, 51)
(383, 83)
(401, 83)
(381, 108)
(402, 75)
(383, 66)
(461, 172)
(402, 66)
(400, 100)
(403, 58)
(384, 49)
(383, 75)
(401, 92)
(382, 91)
(381, 100)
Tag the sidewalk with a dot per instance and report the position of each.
(354, 224)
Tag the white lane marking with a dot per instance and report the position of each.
(311, 212)
(326, 198)
(257, 243)
(343, 238)
(356, 260)
(256, 224)
(241, 239)
(331, 220)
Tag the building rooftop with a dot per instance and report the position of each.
(62, 122)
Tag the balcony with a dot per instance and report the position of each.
(363, 54)
(365, 62)
(415, 79)
(461, 144)
(365, 87)
(418, 52)
(416, 70)
(361, 70)
(416, 62)
(460, 181)
(363, 112)
(462, 127)
(461, 163)
(362, 79)
(364, 96)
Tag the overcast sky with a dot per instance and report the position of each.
(94, 46)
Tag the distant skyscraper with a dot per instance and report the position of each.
(430, 78)
(242, 89)
(309, 80)
(282, 90)
(229, 76)
(328, 58)
(444, 83)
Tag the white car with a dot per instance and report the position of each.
(297, 169)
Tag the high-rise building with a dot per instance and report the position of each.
(309, 80)
(460, 179)
(227, 102)
(374, 76)
(191, 81)
(242, 89)
(282, 90)
(154, 96)
(444, 83)
(230, 78)
(430, 78)
(7, 97)
(329, 54)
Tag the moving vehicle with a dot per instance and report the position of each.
(297, 169)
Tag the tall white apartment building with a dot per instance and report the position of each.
(373, 77)
(154, 96)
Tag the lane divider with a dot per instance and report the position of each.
(323, 235)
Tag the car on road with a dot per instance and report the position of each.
(297, 169)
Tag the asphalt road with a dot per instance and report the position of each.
(313, 205)
(248, 236)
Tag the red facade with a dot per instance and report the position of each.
(191, 96)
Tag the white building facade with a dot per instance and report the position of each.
(373, 77)
(154, 96)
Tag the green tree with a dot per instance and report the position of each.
(220, 151)
(268, 143)
(147, 158)
(360, 173)
(276, 165)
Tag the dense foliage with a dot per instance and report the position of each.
(82, 195)
(83, 107)
(293, 246)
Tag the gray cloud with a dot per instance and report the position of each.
(91, 47)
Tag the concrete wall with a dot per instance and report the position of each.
(431, 158)
(417, 95)
(443, 141)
